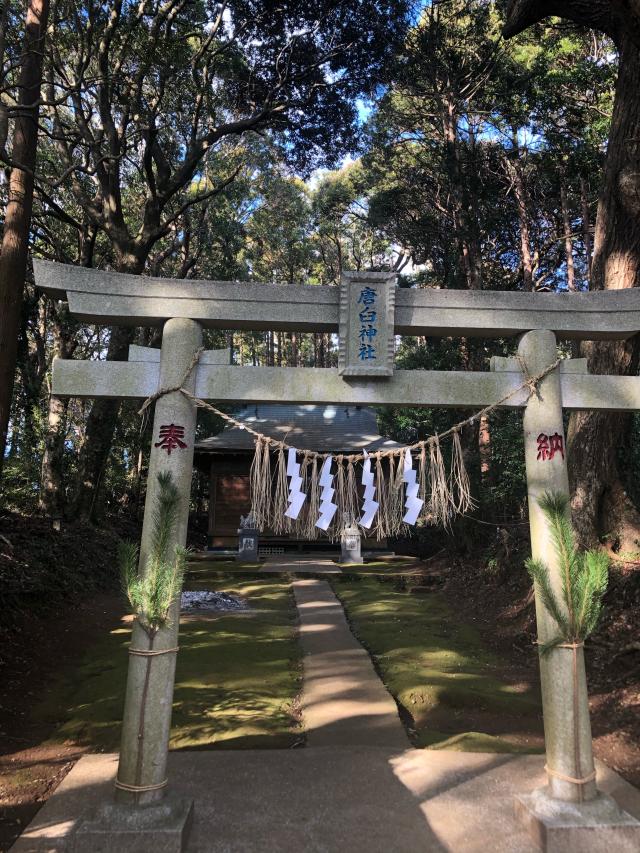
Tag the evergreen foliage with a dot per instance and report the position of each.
(152, 591)
(584, 577)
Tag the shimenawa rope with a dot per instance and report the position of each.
(444, 495)
(139, 789)
(148, 653)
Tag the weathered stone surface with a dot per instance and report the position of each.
(598, 826)
(117, 828)
(348, 798)
(248, 538)
(149, 693)
(367, 341)
(152, 354)
(106, 379)
(499, 364)
(115, 298)
(324, 385)
(566, 717)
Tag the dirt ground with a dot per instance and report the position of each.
(502, 608)
(29, 770)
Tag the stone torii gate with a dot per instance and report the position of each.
(571, 804)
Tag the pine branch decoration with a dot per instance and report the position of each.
(152, 591)
(584, 578)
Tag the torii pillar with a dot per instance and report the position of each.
(569, 815)
(163, 824)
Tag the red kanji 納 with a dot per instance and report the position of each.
(549, 445)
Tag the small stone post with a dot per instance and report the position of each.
(568, 741)
(143, 761)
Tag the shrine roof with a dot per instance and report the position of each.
(326, 429)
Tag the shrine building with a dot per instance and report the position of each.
(227, 458)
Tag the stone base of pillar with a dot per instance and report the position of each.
(597, 826)
(116, 828)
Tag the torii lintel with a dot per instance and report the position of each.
(109, 298)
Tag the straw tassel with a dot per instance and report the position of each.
(352, 502)
(381, 496)
(279, 522)
(313, 508)
(423, 480)
(299, 524)
(260, 483)
(391, 514)
(439, 503)
(396, 489)
(459, 485)
(341, 493)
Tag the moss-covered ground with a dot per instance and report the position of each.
(452, 691)
(237, 677)
(203, 567)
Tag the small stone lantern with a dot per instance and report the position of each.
(350, 542)
(247, 540)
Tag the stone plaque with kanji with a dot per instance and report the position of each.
(367, 307)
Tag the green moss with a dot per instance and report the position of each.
(205, 568)
(237, 678)
(435, 666)
(397, 566)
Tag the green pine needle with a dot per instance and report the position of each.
(584, 577)
(152, 591)
(539, 574)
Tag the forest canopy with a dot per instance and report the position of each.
(471, 145)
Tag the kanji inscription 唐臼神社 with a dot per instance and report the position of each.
(366, 330)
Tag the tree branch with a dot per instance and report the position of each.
(597, 14)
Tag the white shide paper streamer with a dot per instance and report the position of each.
(370, 506)
(327, 508)
(413, 504)
(296, 496)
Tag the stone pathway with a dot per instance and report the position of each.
(300, 565)
(343, 701)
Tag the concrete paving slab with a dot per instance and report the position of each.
(328, 800)
(301, 565)
(343, 700)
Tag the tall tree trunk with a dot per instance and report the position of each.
(515, 171)
(470, 191)
(51, 479)
(594, 438)
(52, 476)
(463, 212)
(100, 428)
(586, 227)
(568, 237)
(103, 417)
(15, 239)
